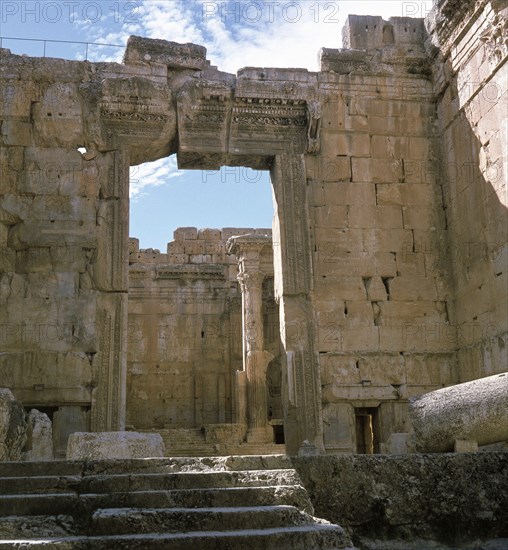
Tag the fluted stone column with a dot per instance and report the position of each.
(256, 359)
(248, 249)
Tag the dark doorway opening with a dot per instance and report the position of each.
(278, 434)
(367, 430)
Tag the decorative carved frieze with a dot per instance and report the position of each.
(189, 271)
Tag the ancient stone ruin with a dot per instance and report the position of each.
(366, 321)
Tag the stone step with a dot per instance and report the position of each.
(121, 521)
(146, 481)
(149, 465)
(234, 502)
(84, 504)
(15, 527)
(255, 449)
(311, 537)
(52, 468)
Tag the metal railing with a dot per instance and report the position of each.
(46, 41)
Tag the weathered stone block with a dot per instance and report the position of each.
(233, 434)
(388, 240)
(390, 147)
(413, 288)
(357, 123)
(349, 193)
(396, 444)
(171, 54)
(114, 445)
(473, 410)
(405, 194)
(39, 437)
(377, 170)
(346, 143)
(359, 313)
(421, 217)
(331, 216)
(209, 234)
(360, 339)
(185, 233)
(465, 446)
(15, 132)
(382, 217)
(344, 288)
(329, 169)
(12, 426)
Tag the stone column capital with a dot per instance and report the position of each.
(250, 281)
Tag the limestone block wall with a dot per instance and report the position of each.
(382, 307)
(185, 330)
(63, 284)
(469, 48)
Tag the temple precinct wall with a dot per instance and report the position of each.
(389, 248)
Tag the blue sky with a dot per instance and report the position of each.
(236, 34)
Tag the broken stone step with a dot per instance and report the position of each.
(14, 527)
(146, 481)
(314, 537)
(121, 521)
(152, 465)
(39, 484)
(77, 505)
(53, 468)
(188, 464)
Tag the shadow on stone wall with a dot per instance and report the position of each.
(472, 121)
(449, 498)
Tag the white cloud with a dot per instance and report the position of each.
(152, 174)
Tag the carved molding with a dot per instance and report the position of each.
(130, 116)
(190, 271)
(495, 38)
(108, 401)
(314, 114)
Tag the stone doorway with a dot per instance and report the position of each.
(367, 430)
(190, 374)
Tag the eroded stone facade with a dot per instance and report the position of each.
(388, 169)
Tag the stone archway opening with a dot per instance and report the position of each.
(186, 347)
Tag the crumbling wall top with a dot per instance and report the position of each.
(367, 32)
(155, 51)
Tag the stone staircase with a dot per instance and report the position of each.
(237, 502)
(192, 443)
